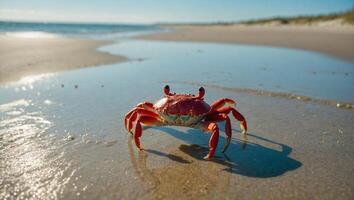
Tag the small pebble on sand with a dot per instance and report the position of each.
(70, 138)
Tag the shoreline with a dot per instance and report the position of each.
(22, 57)
(333, 41)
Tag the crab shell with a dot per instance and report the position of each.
(182, 109)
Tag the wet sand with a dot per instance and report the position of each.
(76, 146)
(66, 142)
(333, 41)
(294, 150)
(21, 57)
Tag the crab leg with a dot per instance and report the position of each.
(213, 128)
(132, 115)
(219, 118)
(127, 119)
(146, 120)
(222, 102)
(146, 105)
(238, 116)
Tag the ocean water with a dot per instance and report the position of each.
(97, 31)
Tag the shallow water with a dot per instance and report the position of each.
(62, 136)
(266, 68)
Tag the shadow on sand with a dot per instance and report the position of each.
(242, 157)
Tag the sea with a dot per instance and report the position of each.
(85, 30)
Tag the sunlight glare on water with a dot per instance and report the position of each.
(33, 34)
(29, 167)
(35, 78)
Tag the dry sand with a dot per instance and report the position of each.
(333, 40)
(29, 56)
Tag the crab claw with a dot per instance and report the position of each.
(201, 92)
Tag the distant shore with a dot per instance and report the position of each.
(21, 57)
(331, 39)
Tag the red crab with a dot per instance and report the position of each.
(185, 110)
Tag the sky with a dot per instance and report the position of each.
(154, 11)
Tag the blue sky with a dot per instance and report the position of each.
(151, 11)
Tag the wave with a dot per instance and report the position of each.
(32, 34)
(72, 29)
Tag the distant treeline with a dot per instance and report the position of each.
(347, 17)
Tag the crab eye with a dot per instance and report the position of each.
(166, 90)
(201, 92)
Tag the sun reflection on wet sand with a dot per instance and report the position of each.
(30, 166)
(28, 80)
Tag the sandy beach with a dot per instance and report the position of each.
(21, 57)
(64, 135)
(330, 39)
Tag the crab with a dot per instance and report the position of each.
(185, 110)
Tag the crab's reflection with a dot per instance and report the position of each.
(184, 176)
(140, 166)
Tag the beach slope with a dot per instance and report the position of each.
(331, 40)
